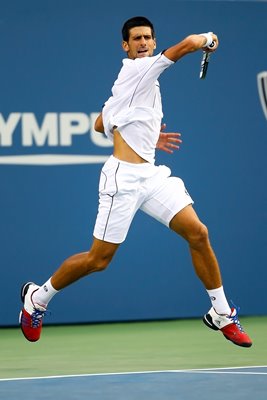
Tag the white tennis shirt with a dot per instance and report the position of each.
(135, 106)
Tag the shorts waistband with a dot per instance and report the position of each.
(144, 165)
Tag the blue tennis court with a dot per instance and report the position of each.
(224, 383)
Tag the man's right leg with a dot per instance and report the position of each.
(36, 298)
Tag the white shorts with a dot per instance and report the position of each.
(125, 187)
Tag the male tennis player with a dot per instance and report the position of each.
(130, 180)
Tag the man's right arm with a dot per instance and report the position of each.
(190, 44)
(99, 126)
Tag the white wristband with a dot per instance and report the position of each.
(208, 37)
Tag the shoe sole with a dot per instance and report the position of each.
(208, 322)
(238, 344)
(23, 293)
(24, 290)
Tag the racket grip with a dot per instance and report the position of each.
(204, 64)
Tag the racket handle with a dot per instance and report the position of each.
(205, 62)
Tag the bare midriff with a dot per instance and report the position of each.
(123, 151)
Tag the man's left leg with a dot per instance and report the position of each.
(220, 317)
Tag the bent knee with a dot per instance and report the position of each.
(98, 263)
(199, 236)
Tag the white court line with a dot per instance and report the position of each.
(220, 370)
(228, 372)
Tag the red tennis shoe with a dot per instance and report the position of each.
(229, 325)
(31, 316)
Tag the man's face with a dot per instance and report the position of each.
(140, 43)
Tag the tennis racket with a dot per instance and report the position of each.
(205, 62)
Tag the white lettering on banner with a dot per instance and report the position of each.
(72, 124)
(55, 130)
(32, 134)
(7, 128)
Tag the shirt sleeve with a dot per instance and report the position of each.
(152, 66)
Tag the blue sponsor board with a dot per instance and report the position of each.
(58, 63)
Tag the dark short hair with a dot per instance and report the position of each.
(132, 23)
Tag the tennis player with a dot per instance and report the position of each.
(130, 180)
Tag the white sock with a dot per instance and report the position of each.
(218, 301)
(44, 294)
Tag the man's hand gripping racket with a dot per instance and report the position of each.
(210, 46)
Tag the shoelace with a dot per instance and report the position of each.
(36, 318)
(235, 318)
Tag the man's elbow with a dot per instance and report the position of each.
(99, 127)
